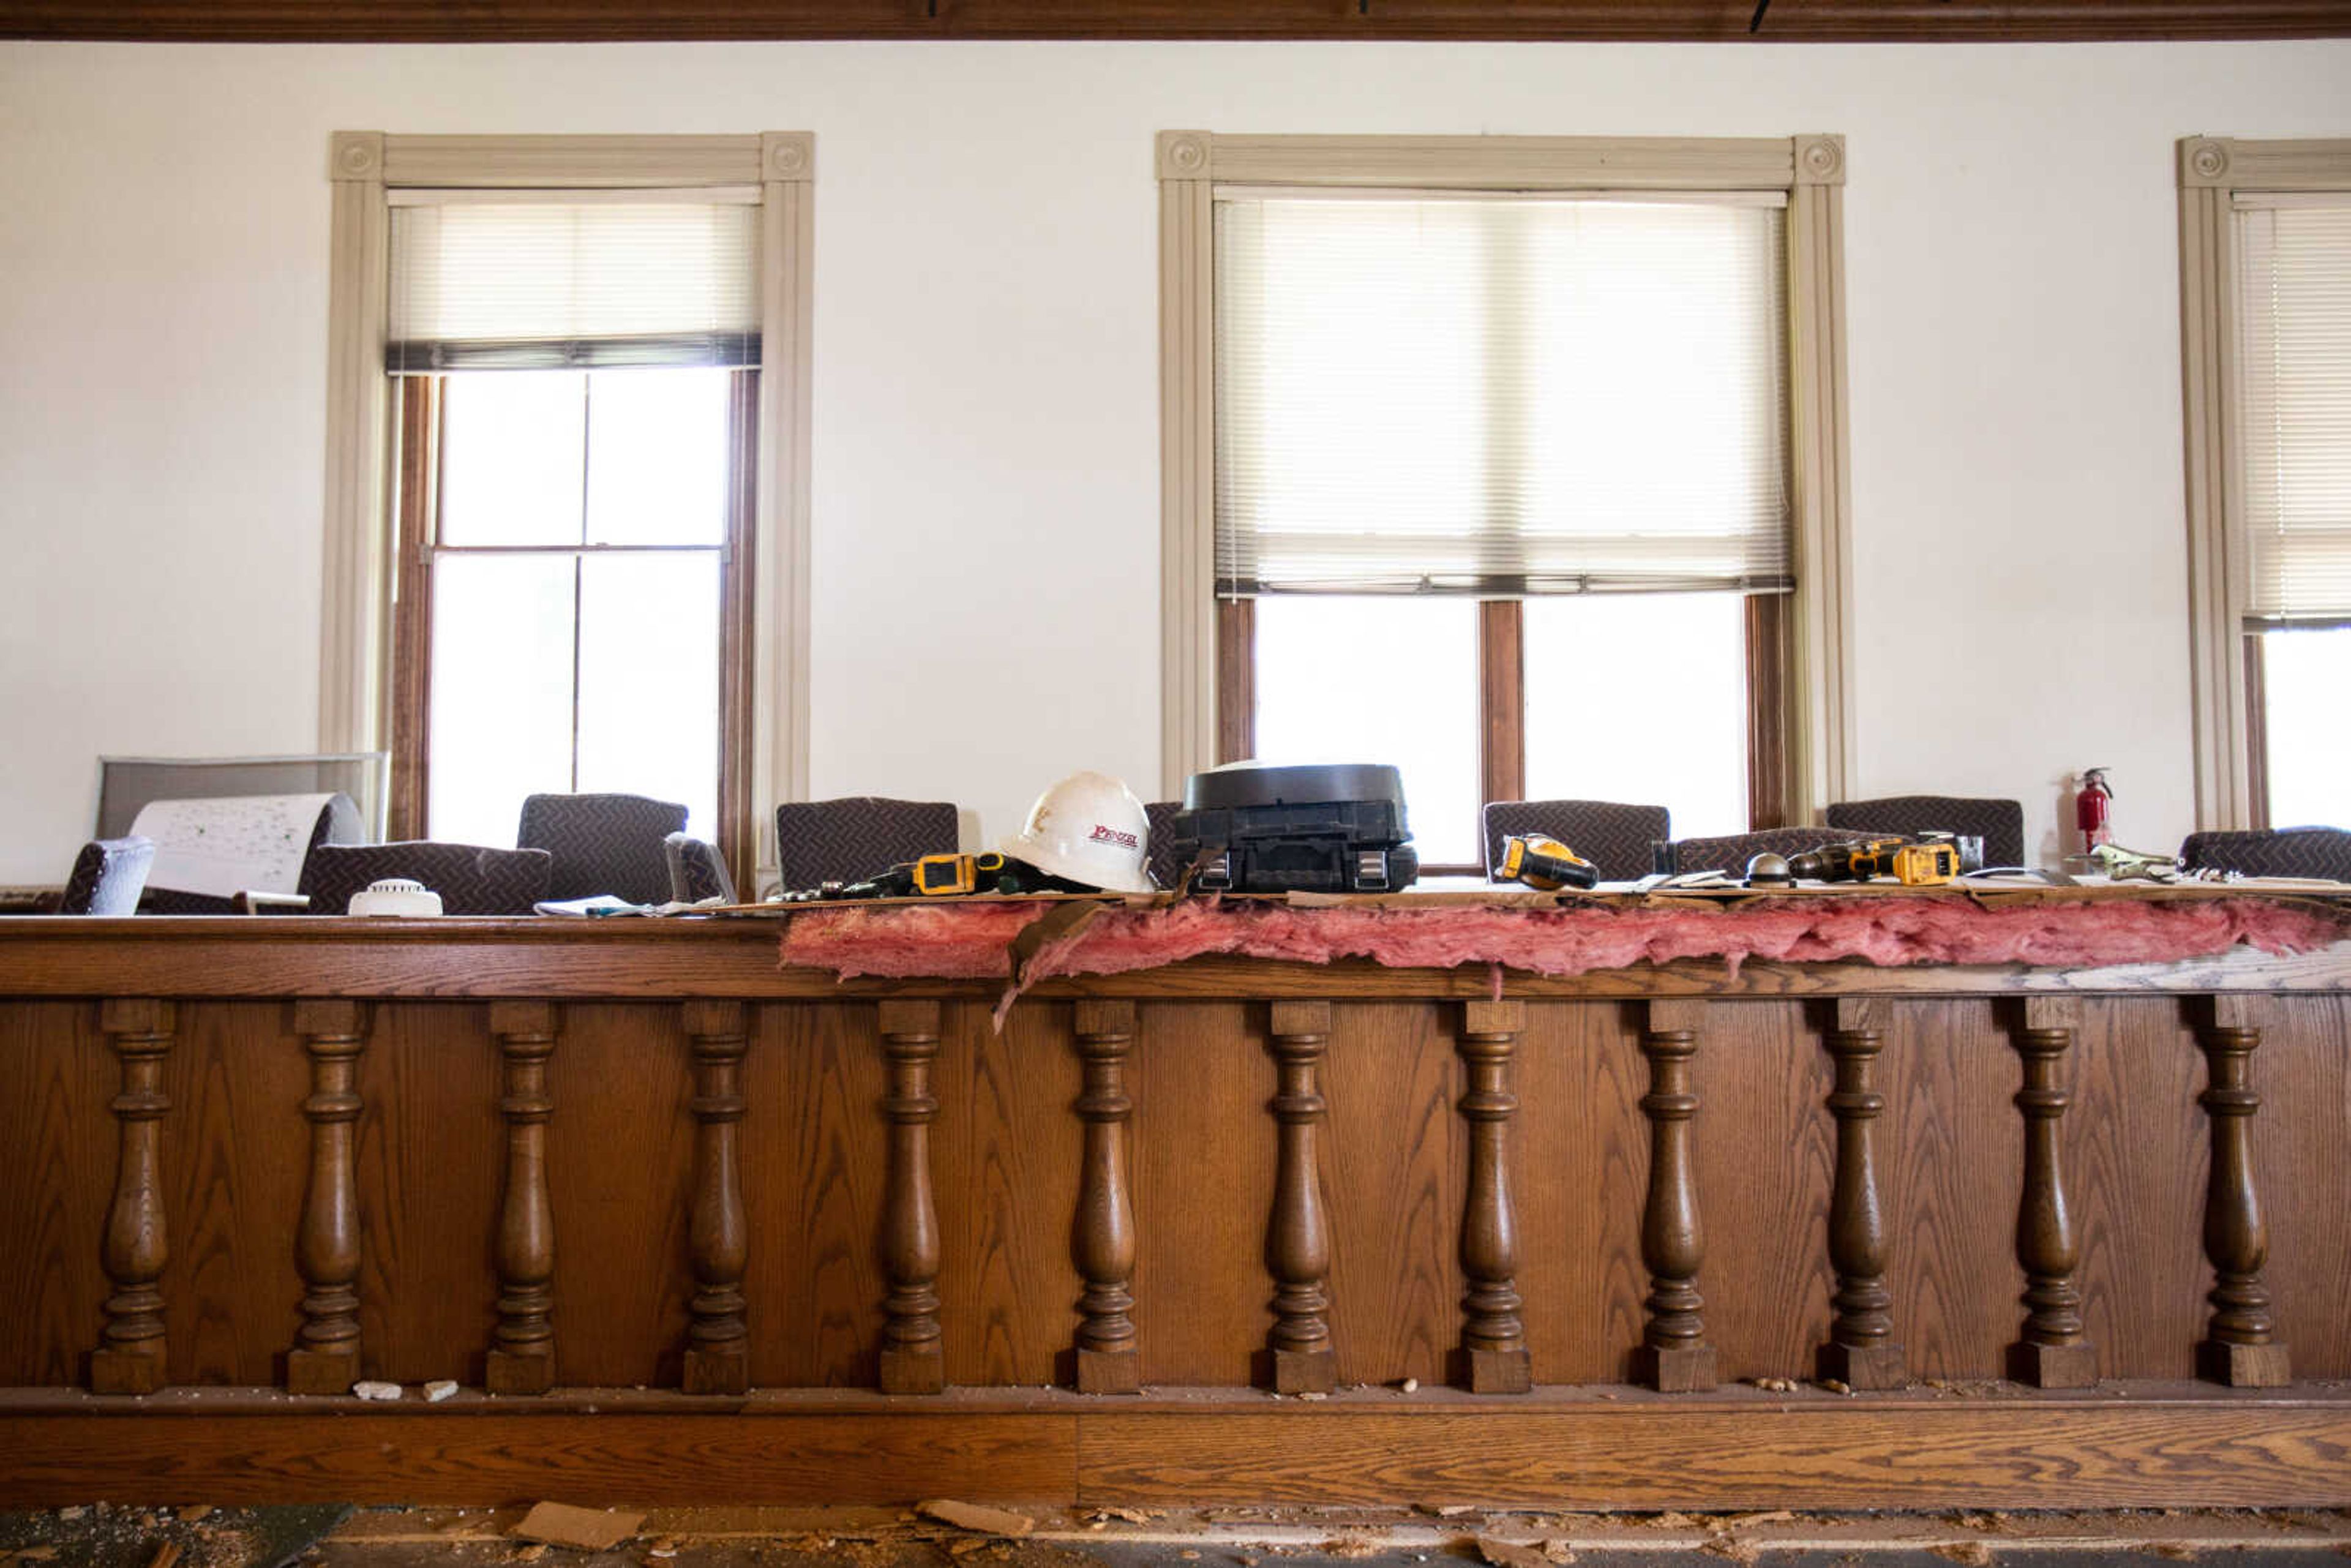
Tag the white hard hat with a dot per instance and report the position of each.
(1089, 829)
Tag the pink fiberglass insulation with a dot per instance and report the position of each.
(973, 941)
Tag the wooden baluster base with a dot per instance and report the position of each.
(130, 1358)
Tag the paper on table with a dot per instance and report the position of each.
(232, 844)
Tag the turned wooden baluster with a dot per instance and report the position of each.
(1861, 1351)
(2237, 1348)
(522, 1347)
(325, 1358)
(129, 1357)
(2050, 1351)
(1673, 1354)
(910, 1362)
(1298, 1357)
(1101, 1243)
(1492, 1357)
(717, 1340)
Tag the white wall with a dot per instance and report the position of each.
(986, 394)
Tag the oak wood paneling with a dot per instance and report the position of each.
(1581, 1152)
(189, 957)
(2300, 1152)
(235, 1155)
(431, 1148)
(1005, 1153)
(620, 1174)
(812, 1173)
(1394, 1173)
(495, 1459)
(1762, 1081)
(1651, 1454)
(2140, 1154)
(57, 1165)
(1204, 1148)
(1953, 1153)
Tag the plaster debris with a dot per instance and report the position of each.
(440, 1388)
(975, 1516)
(1409, 1386)
(1511, 1554)
(372, 1390)
(561, 1524)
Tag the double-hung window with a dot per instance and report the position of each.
(1515, 455)
(588, 403)
(2266, 230)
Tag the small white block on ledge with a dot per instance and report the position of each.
(440, 1388)
(366, 1390)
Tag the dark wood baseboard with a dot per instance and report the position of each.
(2119, 1445)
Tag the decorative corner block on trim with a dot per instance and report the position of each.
(1820, 160)
(2204, 161)
(355, 155)
(1185, 154)
(788, 155)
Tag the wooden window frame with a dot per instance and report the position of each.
(423, 415)
(764, 651)
(2225, 685)
(1801, 717)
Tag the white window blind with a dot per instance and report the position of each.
(2294, 407)
(533, 281)
(1500, 396)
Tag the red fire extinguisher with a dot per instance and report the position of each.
(2093, 805)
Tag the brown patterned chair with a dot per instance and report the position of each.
(1159, 857)
(1731, 854)
(108, 877)
(470, 879)
(697, 871)
(2323, 852)
(1612, 836)
(854, 836)
(603, 843)
(2000, 823)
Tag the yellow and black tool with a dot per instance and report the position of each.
(1857, 860)
(1927, 864)
(939, 876)
(1543, 863)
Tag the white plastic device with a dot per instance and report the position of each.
(395, 895)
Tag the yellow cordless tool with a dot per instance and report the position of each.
(1543, 863)
(1927, 864)
(952, 873)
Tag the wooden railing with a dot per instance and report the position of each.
(538, 1159)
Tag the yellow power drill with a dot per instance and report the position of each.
(1543, 863)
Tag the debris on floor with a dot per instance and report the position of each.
(976, 1516)
(561, 1524)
